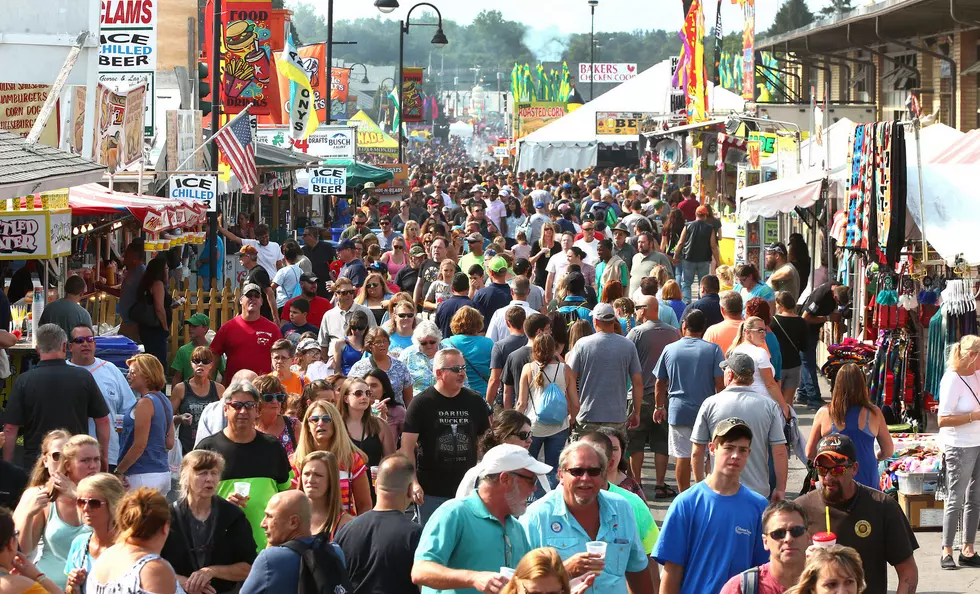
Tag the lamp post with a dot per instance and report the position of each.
(383, 96)
(386, 6)
(364, 80)
(592, 5)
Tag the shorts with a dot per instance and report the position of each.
(581, 429)
(791, 378)
(648, 433)
(153, 480)
(679, 441)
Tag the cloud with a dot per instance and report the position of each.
(547, 45)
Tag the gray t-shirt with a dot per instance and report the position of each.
(66, 314)
(791, 284)
(604, 363)
(760, 413)
(643, 266)
(650, 339)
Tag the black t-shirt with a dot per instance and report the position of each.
(821, 301)
(428, 272)
(501, 351)
(515, 365)
(13, 481)
(53, 395)
(379, 550)
(449, 430)
(263, 457)
(406, 279)
(871, 523)
(320, 256)
(541, 266)
(791, 332)
(259, 276)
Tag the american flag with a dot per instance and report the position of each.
(235, 141)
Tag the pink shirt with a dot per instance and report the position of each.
(767, 583)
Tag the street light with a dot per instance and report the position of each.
(439, 39)
(592, 5)
(364, 80)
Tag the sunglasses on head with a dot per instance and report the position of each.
(280, 398)
(83, 340)
(317, 418)
(91, 502)
(200, 361)
(794, 531)
(833, 470)
(592, 471)
(238, 406)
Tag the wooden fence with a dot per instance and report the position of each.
(220, 305)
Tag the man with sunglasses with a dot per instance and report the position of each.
(334, 324)
(317, 306)
(388, 234)
(359, 228)
(247, 338)
(321, 254)
(865, 519)
(786, 537)
(581, 511)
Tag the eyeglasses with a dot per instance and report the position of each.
(83, 340)
(238, 406)
(201, 361)
(360, 393)
(454, 368)
(592, 471)
(92, 503)
(529, 479)
(385, 223)
(280, 398)
(315, 419)
(523, 435)
(833, 470)
(794, 531)
(372, 285)
(398, 247)
(357, 328)
(346, 292)
(405, 316)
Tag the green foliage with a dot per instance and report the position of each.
(836, 7)
(791, 15)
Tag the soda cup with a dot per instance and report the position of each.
(824, 540)
(374, 474)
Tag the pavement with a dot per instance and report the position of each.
(932, 579)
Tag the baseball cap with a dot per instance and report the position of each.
(474, 238)
(251, 287)
(539, 204)
(499, 460)
(504, 192)
(249, 250)
(345, 244)
(198, 319)
(307, 344)
(307, 278)
(416, 250)
(727, 426)
(701, 211)
(476, 189)
(776, 247)
(838, 448)
(739, 363)
(497, 264)
(433, 202)
(604, 312)
(564, 208)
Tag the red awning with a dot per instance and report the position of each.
(963, 151)
(156, 214)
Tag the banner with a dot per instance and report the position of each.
(195, 189)
(128, 49)
(619, 123)
(695, 83)
(247, 67)
(371, 138)
(302, 112)
(313, 57)
(184, 134)
(752, 147)
(340, 84)
(397, 188)
(748, 52)
(412, 108)
(35, 235)
(132, 146)
(20, 105)
(534, 115)
(330, 181)
(118, 125)
(328, 142)
(719, 34)
(606, 72)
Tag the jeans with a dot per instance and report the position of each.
(553, 445)
(429, 506)
(687, 271)
(809, 390)
(963, 485)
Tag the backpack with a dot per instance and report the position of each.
(554, 406)
(320, 569)
(297, 289)
(570, 313)
(750, 581)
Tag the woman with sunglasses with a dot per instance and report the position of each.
(320, 480)
(367, 431)
(190, 396)
(210, 544)
(324, 430)
(412, 234)
(418, 358)
(542, 571)
(751, 340)
(271, 421)
(148, 430)
(397, 257)
(374, 295)
(27, 579)
(401, 323)
(510, 427)
(377, 343)
(47, 517)
(350, 350)
(97, 498)
(834, 570)
(49, 462)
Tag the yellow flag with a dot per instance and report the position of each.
(303, 120)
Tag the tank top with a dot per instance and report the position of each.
(394, 267)
(371, 445)
(697, 244)
(194, 404)
(864, 442)
(127, 583)
(55, 545)
(154, 458)
(349, 357)
(554, 372)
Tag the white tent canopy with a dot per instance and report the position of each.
(572, 141)
(780, 195)
(837, 136)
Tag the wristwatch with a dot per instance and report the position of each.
(660, 408)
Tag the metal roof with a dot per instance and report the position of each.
(26, 169)
(896, 19)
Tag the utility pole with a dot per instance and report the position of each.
(215, 125)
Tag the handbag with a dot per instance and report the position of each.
(143, 313)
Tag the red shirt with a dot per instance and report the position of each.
(598, 236)
(318, 307)
(767, 583)
(248, 345)
(689, 207)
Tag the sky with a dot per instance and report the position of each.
(572, 16)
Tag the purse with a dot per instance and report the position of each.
(143, 313)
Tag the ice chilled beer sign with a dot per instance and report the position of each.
(328, 180)
(128, 49)
(195, 189)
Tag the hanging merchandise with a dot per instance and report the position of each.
(888, 316)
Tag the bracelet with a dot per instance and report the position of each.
(40, 577)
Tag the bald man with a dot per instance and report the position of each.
(287, 528)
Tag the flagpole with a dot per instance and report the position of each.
(207, 141)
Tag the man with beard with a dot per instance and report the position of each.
(581, 512)
(319, 306)
(786, 537)
(644, 261)
(466, 541)
(869, 521)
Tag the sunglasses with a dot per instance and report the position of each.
(428, 343)
(522, 435)
(360, 223)
(833, 470)
(357, 328)
(794, 531)
(55, 456)
(83, 340)
(315, 419)
(592, 471)
(455, 368)
(201, 361)
(280, 398)
(346, 292)
(360, 393)
(385, 223)
(588, 228)
(398, 247)
(92, 503)
(238, 406)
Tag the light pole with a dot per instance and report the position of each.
(364, 80)
(592, 5)
(386, 6)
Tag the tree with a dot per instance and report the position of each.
(790, 16)
(836, 7)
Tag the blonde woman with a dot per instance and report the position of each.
(726, 278)
(662, 275)
(148, 429)
(751, 340)
(319, 479)
(98, 497)
(367, 432)
(412, 233)
(374, 295)
(542, 570)
(49, 462)
(401, 323)
(324, 431)
(47, 517)
(834, 570)
(959, 427)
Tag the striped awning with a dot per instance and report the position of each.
(154, 213)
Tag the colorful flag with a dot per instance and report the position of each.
(236, 143)
(303, 119)
(719, 34)
(692, 60)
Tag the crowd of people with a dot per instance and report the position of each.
(458, 396)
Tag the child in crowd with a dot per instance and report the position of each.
(521, 250)
(283, 354)
(298, 322)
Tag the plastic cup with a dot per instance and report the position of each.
(598, 547)
(242, 489)
(823, 540)
(374, 474)
(507, 572)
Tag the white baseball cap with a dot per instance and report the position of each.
(503, 458)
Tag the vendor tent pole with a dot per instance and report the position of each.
(922, 208)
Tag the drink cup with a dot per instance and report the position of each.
(507, 572)
(823, 540)
(242, 489)
(596, 547)
(374, 474)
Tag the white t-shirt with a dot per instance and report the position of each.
(591, 249)
(269, 254)
(762, 361)
(558, 264)
(286, 280)
(955, 398)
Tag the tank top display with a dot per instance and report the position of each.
(193, 404)
(55, 543)
(553, 372)
(864, 442)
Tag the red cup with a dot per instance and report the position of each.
(824, 540)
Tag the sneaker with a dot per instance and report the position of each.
(971, 561)
(947, 562)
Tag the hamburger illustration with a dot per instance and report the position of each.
(240, 36)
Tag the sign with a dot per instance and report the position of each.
(754, 156)
(35, 235)
(20, 105)
(132, 144)
(606, 72)
(184, 134)
(787, 156)
(195, 189)
(118, 126)
(534, 115)
(618, 123)
(248, 67)
(328, 180)
(767, 142)
(128, 50)
(748, 52)
(328, 142)
(397, 188)
(313, 57)
(412, 101)
(500, 152)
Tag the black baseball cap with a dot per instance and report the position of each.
(838, 448)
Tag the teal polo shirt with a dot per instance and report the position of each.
(462, 534)
(549, 524)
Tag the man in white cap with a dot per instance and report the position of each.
(470, 538)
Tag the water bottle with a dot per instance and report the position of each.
(37, 308)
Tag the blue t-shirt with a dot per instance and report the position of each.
(398, 344)
(699, 524)
(204, 269)
(276, 569)
(684, 365)
(476, 351)
(775, 355)
(491, 298)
